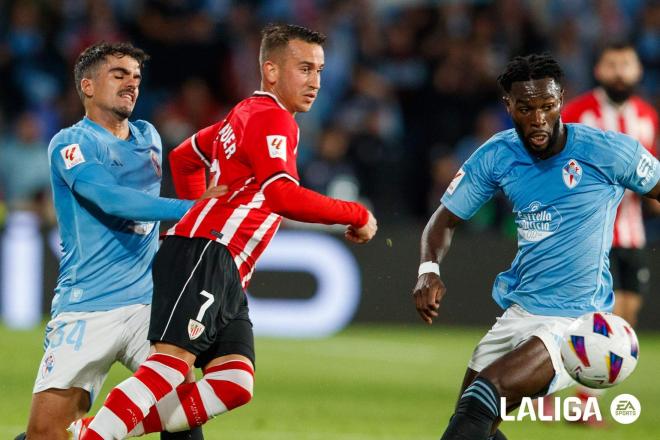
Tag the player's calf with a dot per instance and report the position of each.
(477, 410)
(223, 388)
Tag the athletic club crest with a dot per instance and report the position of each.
(195, 329)
(571, 173)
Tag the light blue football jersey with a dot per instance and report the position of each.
(564, 209)
(106, 260)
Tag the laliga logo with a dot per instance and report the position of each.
(625, 409)
(571, 410)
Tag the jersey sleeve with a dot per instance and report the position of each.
(473, 185)
(639, 170)
(201, 143)
(72, 152)
(270, 140)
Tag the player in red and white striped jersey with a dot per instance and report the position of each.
(199, 312)
(613, 106)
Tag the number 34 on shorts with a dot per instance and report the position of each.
(61, 332)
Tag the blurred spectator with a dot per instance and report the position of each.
(24, 171)
(330, 172)
(400, 77)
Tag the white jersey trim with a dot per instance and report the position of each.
(278, 176)
(202, 215)
(237, 216)
(262, 93)
(193, 142)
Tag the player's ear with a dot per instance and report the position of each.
(87, 87)
(270, 71)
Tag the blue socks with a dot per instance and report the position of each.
(477, 409)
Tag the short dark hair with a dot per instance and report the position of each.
(613, 45)
(530, 67)
(95, 54)
(276, 36)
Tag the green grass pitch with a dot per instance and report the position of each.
(368, 382)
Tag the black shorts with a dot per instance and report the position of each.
(629, 270)
(198, 302)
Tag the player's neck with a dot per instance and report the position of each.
(278, 98)
(110, 122)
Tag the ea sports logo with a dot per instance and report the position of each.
(625, 408)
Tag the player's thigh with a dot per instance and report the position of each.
(526, 371)
(53, 410)
(235, 341)
(194, 283)
(517, 327)
(80, 348)
(135, 342)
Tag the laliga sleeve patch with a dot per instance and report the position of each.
(457, 179)
(276, 146)
(72, 156)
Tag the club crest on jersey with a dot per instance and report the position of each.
(195, 329)
(156, 163)
(571, 173)
(72, 156)
(276, 146)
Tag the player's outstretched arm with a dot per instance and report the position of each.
(286, 198)
(436, 240)
(96, 185)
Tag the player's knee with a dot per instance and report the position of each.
(498, 381)
(232, 383)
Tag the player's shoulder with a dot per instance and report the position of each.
(607, 145)
(264, 109)
(78, 133)
(503, 141)
(148, 131)
(144, 127)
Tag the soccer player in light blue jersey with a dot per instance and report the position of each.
(565, 182)
(105, 175)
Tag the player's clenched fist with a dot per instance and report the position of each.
(363, 234)
(427, 294)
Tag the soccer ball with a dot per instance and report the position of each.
(599, 350)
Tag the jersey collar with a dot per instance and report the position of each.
(136, 136)
(273, 97)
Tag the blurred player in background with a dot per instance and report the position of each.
(105, 174)
(200, 312)
(565, 182)
(613, 105)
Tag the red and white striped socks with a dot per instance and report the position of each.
(129, 402)
(223, 388)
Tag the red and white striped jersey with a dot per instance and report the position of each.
(635, 118)
(252, 147)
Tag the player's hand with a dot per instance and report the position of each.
(427, 294)
(365, 233)
(214, 191)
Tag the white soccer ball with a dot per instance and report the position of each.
(600, 350)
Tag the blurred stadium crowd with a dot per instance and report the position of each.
(408, 91)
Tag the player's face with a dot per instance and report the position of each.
(535, 107)
(618, 71)
(115, 86)
(299, 75)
